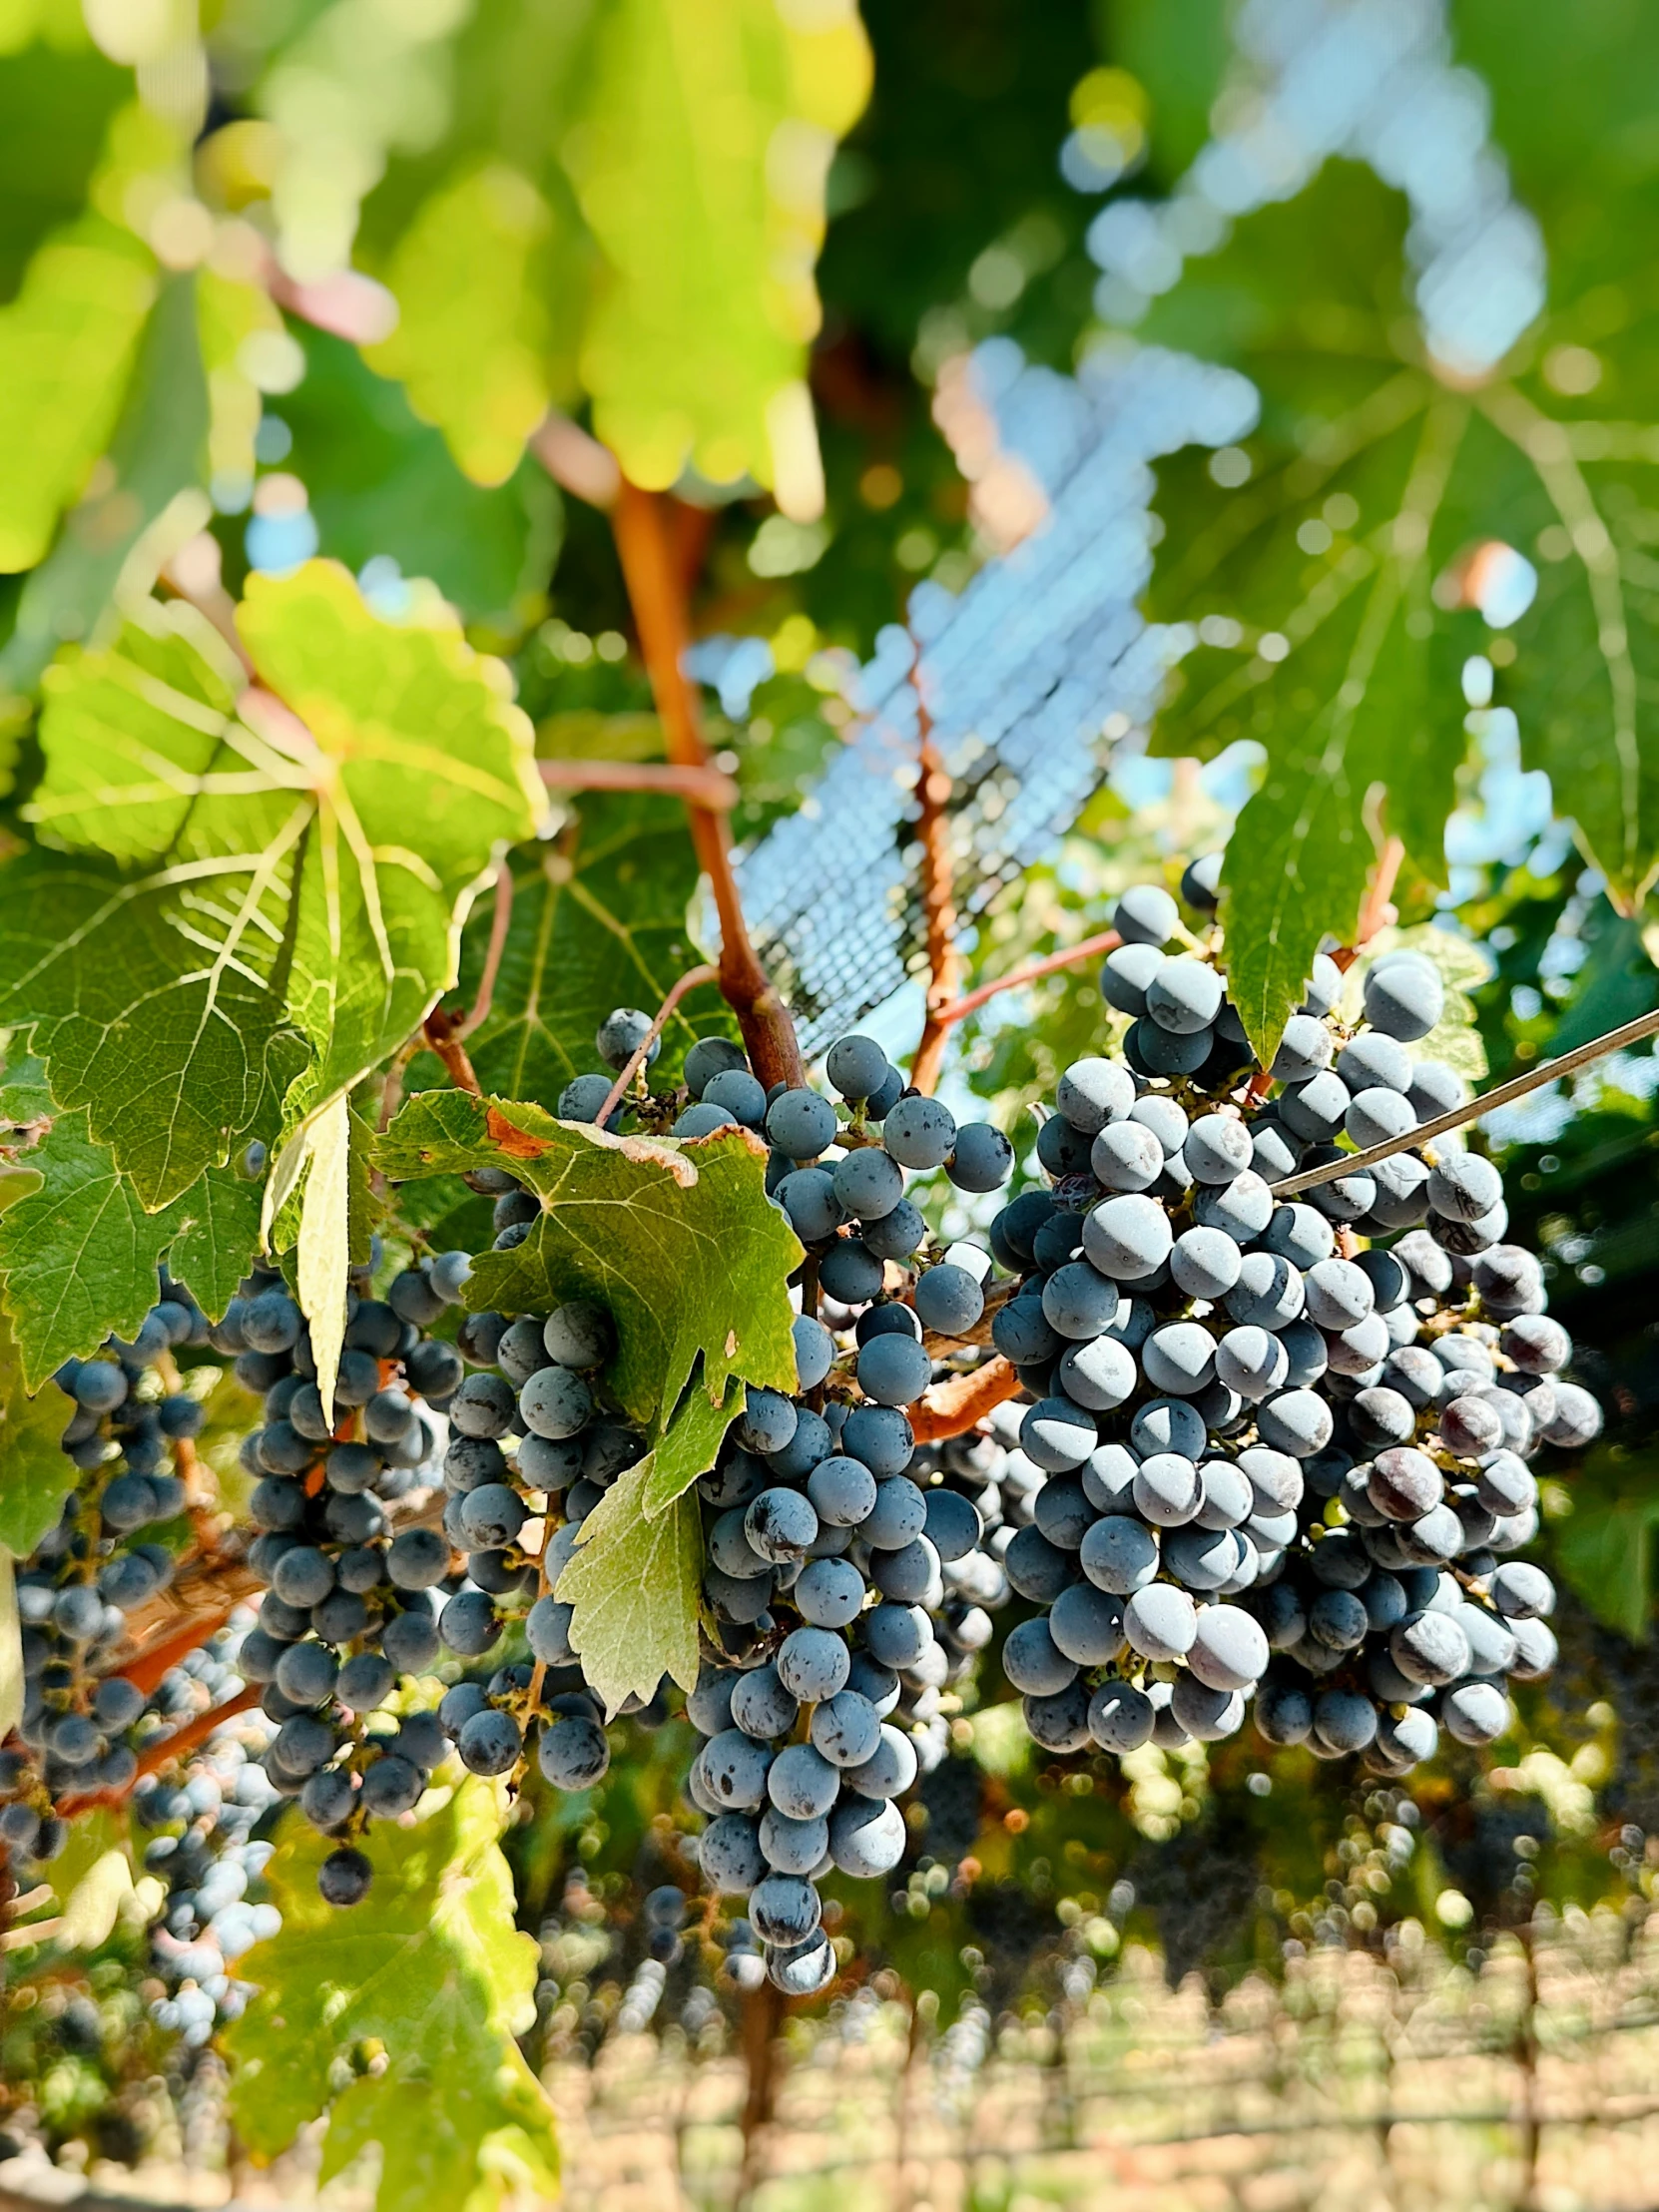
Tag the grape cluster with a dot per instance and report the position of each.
(82, 1719)
(349, 1607)
(366, 1585)
(201, 1847)
(844, 1571)
(854, 1576)
(1280, 1447)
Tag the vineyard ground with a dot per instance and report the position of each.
(1353, 2088)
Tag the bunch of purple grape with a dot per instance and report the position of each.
(843, 1572)
(108, 1556)
(1280, 1445)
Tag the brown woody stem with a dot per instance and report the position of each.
(1378, 909)
(172, 1747)
(937, 904)
(577, 462)
(443, 1033)
(654, 574)
(392, 1090)
(937, 1345)
(500, 923)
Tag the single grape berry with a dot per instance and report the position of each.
(344, 1877)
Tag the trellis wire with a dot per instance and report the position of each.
(1547, 1071)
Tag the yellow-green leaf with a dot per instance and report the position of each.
(701, 165)
(1463, 967)
(689, 1445)
(635, 1585)
(599, 921)
(78, 1260)
(11, 1649)
(228, 313)
(472, 343)
(324, 1257)
(299, 855)
(36, 1475)
(432, 1968)
(67, 344)
(91, 1909)
(679, 1240)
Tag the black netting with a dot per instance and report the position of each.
(1030, 676)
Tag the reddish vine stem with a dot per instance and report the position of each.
(688, 982)
(159, 1754)
(169, 1635)
(443, 1033)
(938, 905)
(938, 1346)
(1378, 910)
(654, 578)
(951, 1408)
(500, 923)
(1032, 972)
(392, 1090)
(577, 462)
(1547, 1071)
(707, 786)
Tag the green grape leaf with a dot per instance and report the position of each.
(688, 1446)
(92, 1906)
(36, 1475)
(1617, 982)
(384, 485)
(323, 1247)
(635, 1585)
(216, 1233)
(79, 1254)
(295, 856)
(1586, 669)
(598, 921)
(472, 343)
(150, 502)
(1604, 1548)
(235, 317)
(67, 344)
(430, 1966)
(679, 1240)
(1179, 51)
(1319, 642)
(422, 771)
(13, 1682)
(1572, 94)
(699, 163)
(57, 95)
(1333, 587)
(24, 1093)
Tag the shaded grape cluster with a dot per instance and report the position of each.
(398, 1532)
(201, 1818)
(107, 1557)
(1281, 1443)
(349, 1606)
